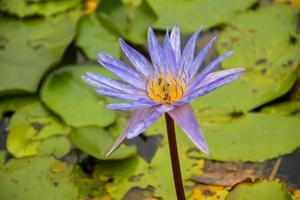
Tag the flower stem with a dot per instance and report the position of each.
(174, 158)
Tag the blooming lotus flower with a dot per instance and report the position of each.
(168, 84)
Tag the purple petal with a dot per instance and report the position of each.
(212, 77)
(184, 116)
(198, 61)
(121, 70)
(175, 43)
(100, 81)
(212, 66)
(145, 119)
(210, 83)
(165, 108)
(169, 55)
(124, 96)
(138, 60)
(129, 106)
(189, 51)
(139, 121)
(156, 52)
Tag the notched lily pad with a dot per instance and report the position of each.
(93, 37)
(241, 138)
(31, 127)
(129, 20)
(244, 138)
(66, 94)
(44, 124)
(262, 43)
(189, 15)
(11, 104)
(28, 48)
(19, 141)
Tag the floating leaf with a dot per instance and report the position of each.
(28, 48)
(284, 108)
(11, 104)
(96, 142)
(130, 20)
(23, 8)
(28, 129)
(2, 157)
(244, 94)
(45, 124)
(118, 127)
(113, 19)
(136, 172)
(242, 138)
(189, 15)
(19, 141)
(66, 94)
(93, 37)
(56, 146)
(259, 190)
(33, 178)
(263, 41)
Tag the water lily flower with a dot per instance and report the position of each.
(168, 84)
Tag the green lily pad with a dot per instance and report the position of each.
(19, 141)
(2, 157)
(75, 101)
(118, 127)
(28, 129)
(93, 37)
(259, 190)
(243, 137)
(45, 124)
(252, 137)
(40, 43)
(127, 19)
(57, 146)
(189, 15)
(250, 91)
(101, 30)
(263, 44)
(36, 178)
(284, 108)
(23, 8)
(136, 172)
(11, 104)
(97, 142)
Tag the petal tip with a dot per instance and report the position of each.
(100, 54)
(229, 53)
(109, 152)
(84, 78)
(204, 149)
(122, 43)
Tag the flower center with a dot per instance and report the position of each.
(166, 88)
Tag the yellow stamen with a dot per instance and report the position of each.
(166, 88)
